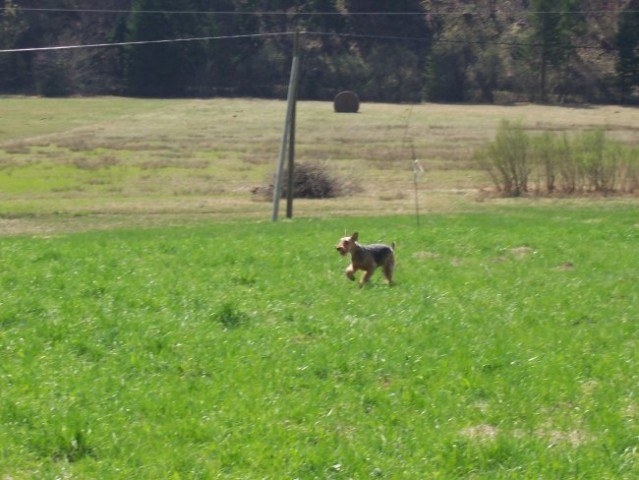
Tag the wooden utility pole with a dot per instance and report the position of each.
(289, 132)
(291, 141)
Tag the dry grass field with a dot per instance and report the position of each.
(86, 163)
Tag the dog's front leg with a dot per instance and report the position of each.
(350, 272)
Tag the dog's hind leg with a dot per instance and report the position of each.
(388, 272)
(367, 276)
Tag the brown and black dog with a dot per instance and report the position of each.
(367, 258)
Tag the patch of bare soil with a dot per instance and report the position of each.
(565, 267)
(425, 255)
(521, 252)
(481, 432)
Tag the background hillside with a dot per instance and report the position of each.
(491, 51)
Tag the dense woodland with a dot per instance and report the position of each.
(386, 50)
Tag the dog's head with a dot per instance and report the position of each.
(346, 244)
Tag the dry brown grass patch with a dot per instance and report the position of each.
(89, 163)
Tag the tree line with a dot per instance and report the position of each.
(386, 50)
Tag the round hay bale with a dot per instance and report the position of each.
(346, 102)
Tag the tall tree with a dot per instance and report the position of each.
(462, 64)
(13, 67)
(321, 53)
(628, 53)
(390, 43)
(162, 69)
(554, 23)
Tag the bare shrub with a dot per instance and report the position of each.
(312, 180)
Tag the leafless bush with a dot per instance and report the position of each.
(312, 180)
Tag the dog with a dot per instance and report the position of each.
(367, 258)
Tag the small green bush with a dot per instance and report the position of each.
(506, 159)
(598, 160)
(571, 164)
(544, 149)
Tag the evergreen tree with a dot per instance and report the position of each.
(162, 69)
(628, 45)
(230, 63)
(391, 68)
(13, 67)
(462, 65)
(321, 55)
(554, 23)
(482, 49)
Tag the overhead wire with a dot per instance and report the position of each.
(453, 11)
(144, 42)
(290, 33)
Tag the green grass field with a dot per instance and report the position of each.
(155, 324)
(507, 349)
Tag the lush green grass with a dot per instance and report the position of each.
(507, 349)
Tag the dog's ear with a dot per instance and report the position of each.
(354, 236)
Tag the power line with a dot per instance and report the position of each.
(461, 42)
(210, 12)
(282, 34)
(458, 11)
(365, 36)
(144, 42)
